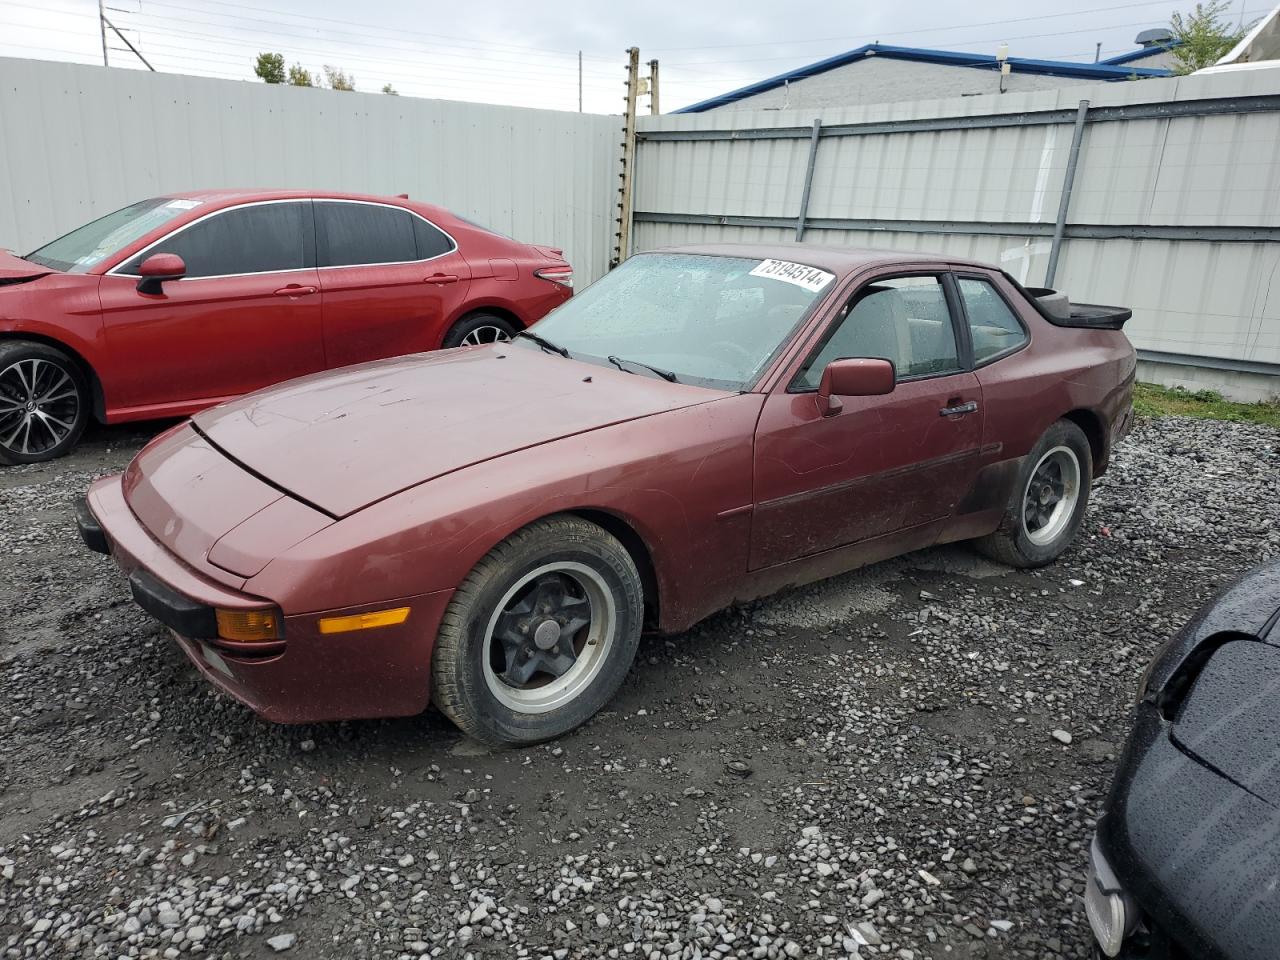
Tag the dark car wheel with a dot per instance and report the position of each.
(479, 328)
(44, 402)
(1048, 501)
(540, 635)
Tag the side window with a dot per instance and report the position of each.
(994, 327)
(431, 242)
(903, 319)
(354, 233)
(262, 238)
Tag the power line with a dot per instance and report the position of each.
(961, 43)
(938, 29)
(342, 40)
(395, 31)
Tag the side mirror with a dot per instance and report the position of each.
(861, 377)
(158, 268)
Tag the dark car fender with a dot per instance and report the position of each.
(1249, 605)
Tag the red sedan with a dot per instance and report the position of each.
(176, 303)
(491, 528)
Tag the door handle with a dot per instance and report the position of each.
(960, 409)
(442, 278)
(295, 290)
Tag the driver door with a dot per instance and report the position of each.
(882, 464)
(246, 315)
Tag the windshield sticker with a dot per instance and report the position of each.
(182, 204)
(811, 278)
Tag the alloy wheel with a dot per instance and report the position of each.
(1051, 495)
(548, 637)
(39, 406)
(485, 334)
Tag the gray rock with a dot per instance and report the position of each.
(282, 942)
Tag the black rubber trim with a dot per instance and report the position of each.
(91, 532)
(186, 616)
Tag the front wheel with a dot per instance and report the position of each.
(44, 402)
(479, 328)
(1048, 501)
(540, 635)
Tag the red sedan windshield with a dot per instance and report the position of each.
(708, 320)
(85, 247)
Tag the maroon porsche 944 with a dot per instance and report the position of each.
(491, 528)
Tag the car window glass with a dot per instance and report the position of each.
(431, 242)
(710, 320)
(355, 233)
(994, 327)
(85, 247)
(262, 238)
(902, 319)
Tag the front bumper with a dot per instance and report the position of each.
(307, 676)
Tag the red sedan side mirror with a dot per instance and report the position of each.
(861, 377)
(158, 268)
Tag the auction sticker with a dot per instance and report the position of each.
(811, 278)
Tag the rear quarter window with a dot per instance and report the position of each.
(364, 233)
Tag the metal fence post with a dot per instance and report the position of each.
(808, 179)
(1068, 181)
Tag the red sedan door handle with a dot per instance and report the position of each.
(959, 409)
(442, 278)
(295, 290)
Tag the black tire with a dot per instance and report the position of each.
(1021, 540)
(473, 697)
(44, 402)
(479, 327)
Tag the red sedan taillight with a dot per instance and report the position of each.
(560, 275)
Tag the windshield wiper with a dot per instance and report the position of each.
(543, 342)
(664, 374)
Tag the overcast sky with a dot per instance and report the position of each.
(524, 53)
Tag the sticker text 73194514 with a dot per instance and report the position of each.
(811, 278)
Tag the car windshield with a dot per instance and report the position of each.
(708, 320)
(85, 247)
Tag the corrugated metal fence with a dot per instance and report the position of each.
(1175, 208)
(79, 141)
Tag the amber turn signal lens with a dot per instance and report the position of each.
(249, 626)
(364, 621)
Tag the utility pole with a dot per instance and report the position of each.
(579, 81)
(622, 238)
(125, 41)
(653, 87)
(102, 27)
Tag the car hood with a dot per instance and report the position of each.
(15, 269)
(342, 440)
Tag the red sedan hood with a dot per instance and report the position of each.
(343, 440)
(15, 268)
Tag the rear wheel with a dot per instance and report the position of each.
(1048, 502)
(44, 402)
(540, 635)
(479, 328)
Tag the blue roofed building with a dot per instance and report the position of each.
(881, 73)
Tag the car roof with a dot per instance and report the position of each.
(841, 261)
(232, 196)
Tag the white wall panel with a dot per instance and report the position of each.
(79, 141)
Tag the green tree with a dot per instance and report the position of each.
(338, 79)
(270, 67)
(1204, 36)
(300, 77)
(388, 88)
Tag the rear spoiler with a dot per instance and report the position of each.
(1059, 310)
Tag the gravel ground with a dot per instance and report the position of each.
(907, 761)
